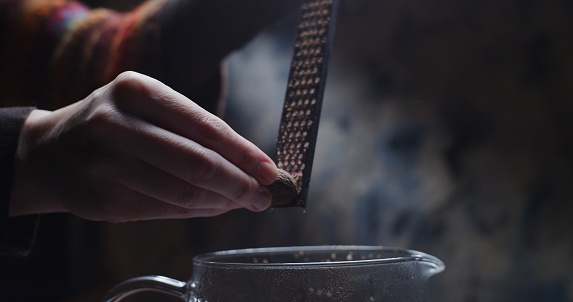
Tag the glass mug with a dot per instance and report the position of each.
(311, 273)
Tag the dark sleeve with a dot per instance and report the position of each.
(16, 234)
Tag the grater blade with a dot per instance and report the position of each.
(303, 101)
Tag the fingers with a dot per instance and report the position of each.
(160, 105)
(142, 207)
(200, 155)
(164, 187)
(135, 149)
(200, 194)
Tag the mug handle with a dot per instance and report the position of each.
(155, 283)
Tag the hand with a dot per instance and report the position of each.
(136, 149)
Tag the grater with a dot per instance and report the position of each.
(303, 100)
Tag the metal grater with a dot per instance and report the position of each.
(301, 112)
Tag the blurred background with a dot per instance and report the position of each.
(447, 127)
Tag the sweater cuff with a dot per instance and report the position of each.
(16, 234)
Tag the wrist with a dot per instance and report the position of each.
(29, 194)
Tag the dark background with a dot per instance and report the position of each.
(447, 127)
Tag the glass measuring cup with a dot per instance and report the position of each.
(311, 273)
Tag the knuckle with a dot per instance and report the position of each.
(128, 77)
(127, 88)
(244, 192)
(248, 159)
(126, 81)
(189, 196)
(201, 166)
(213, 127)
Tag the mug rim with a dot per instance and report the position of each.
(214, 258)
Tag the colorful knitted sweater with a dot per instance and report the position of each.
(56, 52)
(53, 53)
(64, 50)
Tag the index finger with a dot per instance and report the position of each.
(162, 106)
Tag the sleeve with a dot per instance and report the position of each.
(66, 50)
(16, 234)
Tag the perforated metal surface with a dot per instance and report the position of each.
(301, 112)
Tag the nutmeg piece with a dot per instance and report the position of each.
(283, 190)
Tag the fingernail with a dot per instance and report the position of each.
(267, 173)
(262, 201)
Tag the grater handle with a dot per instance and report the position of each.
(298, 128)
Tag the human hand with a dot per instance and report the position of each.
(135, 149)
